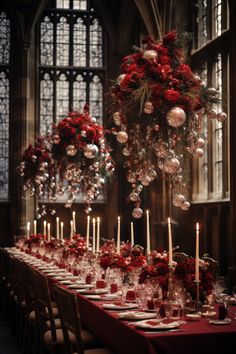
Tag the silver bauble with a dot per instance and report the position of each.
(117, 118)
(56, 139)
(171, 165)
(160, 148)
(139, 188)
(198, 152)
(176, 117)
(71, 150)
(148, 107)
(134, 197)
(122, 137)
(200, 143)
(211, 114)
(83, 133)
(137, 213)
(221, 117)
(178, 199)
(34, 158)
(150, 54)
(145, 180)
(120, 78)
(156, 127)
(185, 205)
(90, 151)
(151, 174)
(126, 152)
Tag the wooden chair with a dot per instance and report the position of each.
(180, 257)
(71, 325)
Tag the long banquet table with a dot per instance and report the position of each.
(197, 337)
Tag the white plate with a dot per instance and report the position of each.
(102, 297)
(220, 322)
(157, 325)
(65, 282)
(126, 306)
(193, 316)
(80, 286)
(135, 315)
(93, 291)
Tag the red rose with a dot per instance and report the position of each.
(169, 37)
(171, 95)
(164, 59)
(185, 69)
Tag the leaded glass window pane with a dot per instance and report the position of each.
(218, 17)
(4, 134)
(4, 39)
(63, 4)
(80, 4)
(79, 46)
(96, 98)
(46, 104)
(79, 93)
(46, 43)
(96, 57)
(202, 23)
(62, 43)
(62, 100)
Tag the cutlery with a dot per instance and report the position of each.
(167, 330)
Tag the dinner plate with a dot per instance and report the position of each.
(102, 297)
(156, 325)
(65, 282)
(193, 316)
(135, 315)
(126, 306)
(80, 286)
(93, 291)
(220, 322)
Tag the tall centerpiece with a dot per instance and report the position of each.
(158, 107)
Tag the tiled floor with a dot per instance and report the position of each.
(7, 341)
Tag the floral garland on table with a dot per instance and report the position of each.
(129, 258)
(185, 271)
(158, 105)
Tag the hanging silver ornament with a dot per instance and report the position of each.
(198, 152)
(211, 114)
(139, 188)
(122, 137)
(71, 150)
(160, 148)
(137, 213)
(150, 54)
(221, 117)
(90, 151)
(178, 199)
(200, 143)
(83, 133)
(126, 151)
(156, 127)
(145, 180)
(53, 212)
(117, 118)
(176, 117)
(151, 174)
(93, 119)
(171, 165)
(148, 107)
(134, 197)
(185, 205)
(120, 78)
(56, 139)
(34, 158)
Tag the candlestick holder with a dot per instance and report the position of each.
(197, 282)
(171, 283)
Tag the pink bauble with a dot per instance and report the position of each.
(176, 117)
(148, 107)
(178, 199)
(221, 117)
(212, 114)
(198, 152)
(137, 213)
(200, 143)
(71, 150)
(122, 137)
(171, 165)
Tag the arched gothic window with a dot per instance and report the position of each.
(4, 103)
(212, 51)
(71, 61)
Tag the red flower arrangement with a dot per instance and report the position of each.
(158, 105)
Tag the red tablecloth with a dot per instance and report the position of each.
(196, 338)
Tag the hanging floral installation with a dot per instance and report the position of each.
(158, 107)
(73, 159)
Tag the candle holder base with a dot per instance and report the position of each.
(197, 282)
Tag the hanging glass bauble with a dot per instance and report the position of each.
(137, 213)
(176, 117)
(71, 150)
(122, 137)
(90, 151)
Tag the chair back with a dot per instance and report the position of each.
(70, 318)
(43, 303)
